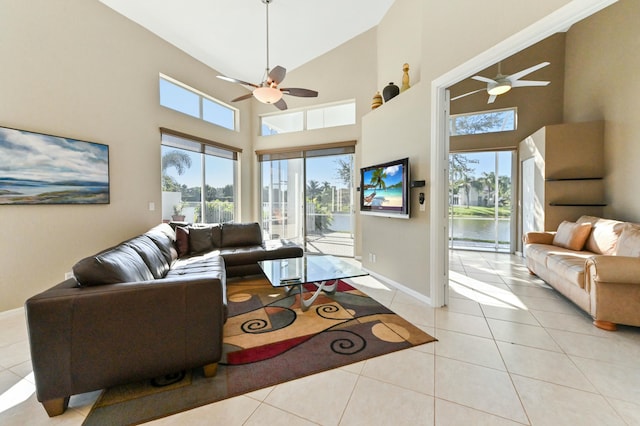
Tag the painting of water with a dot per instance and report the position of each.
(37, 168)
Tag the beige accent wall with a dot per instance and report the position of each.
(602, 83)
(537, 106)
(562, 153)
(77, 69)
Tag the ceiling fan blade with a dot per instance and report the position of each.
(277, 75)
(304, 93)
(235, 80)
(243, 97)
(491, 99)
(468, 93)
(526, 83)
(483, 79)
(516, 76)
(281, 105)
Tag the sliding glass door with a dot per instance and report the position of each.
(282, 199)
(307, 197)
(480, 201)
(329, 205)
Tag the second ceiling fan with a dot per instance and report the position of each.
(268, 91)
(503, 83)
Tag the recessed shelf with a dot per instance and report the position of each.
(581, 178)
(578, 204)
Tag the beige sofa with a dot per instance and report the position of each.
(595, 263)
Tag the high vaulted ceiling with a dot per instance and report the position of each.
(229, 35)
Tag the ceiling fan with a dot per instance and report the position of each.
(268, 91)
(503, 83)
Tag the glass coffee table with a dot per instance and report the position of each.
(323, 271)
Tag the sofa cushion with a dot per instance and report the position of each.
(166, 229)
(150, 254)
(243, 255)
(164, 243)
(182, 241)
(540, 252)
(200, 240)
(629, 241)
(568, 266)
(572, 235)
(209, 264)
(117, 265)
(281, 249)
(604, 234)
(241, 234)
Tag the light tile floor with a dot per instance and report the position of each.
(510, 351)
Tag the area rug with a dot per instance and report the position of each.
(268, 340)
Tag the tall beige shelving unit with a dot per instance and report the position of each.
(562, 171)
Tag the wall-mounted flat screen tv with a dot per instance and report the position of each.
(384, 189)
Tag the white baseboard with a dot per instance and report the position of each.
(402, 288)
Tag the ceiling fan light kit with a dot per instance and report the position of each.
(501, 84)
(268, 92)
(499, 88)
(267, 95)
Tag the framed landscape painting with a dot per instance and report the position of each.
(36, 168)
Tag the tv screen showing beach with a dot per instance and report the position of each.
(383, 187)
(36, 168)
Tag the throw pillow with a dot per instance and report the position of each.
(241, 234)
(182, 241)
(604, 234)
(200, 239)
(629, 241)
(572, 235)
(216, 235)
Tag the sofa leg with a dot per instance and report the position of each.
(605, 325)
(210, 370)
(55, 407)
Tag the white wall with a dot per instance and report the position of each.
(77, 69)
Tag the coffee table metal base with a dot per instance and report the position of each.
(305, 304)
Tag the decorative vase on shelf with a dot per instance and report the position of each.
(405, 78)
(376, 101)
(390, 92)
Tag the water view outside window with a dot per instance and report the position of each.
(480, 201)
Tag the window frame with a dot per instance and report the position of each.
(305, 112)
(206, 148)
(453, 117)
(201, 100)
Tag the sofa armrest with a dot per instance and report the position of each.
(613, 269)
(88, 338)
(539, 237)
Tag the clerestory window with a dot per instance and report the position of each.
(474, 123)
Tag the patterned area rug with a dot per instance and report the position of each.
(268, 340)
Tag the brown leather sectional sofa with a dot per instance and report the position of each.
(148, 307)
